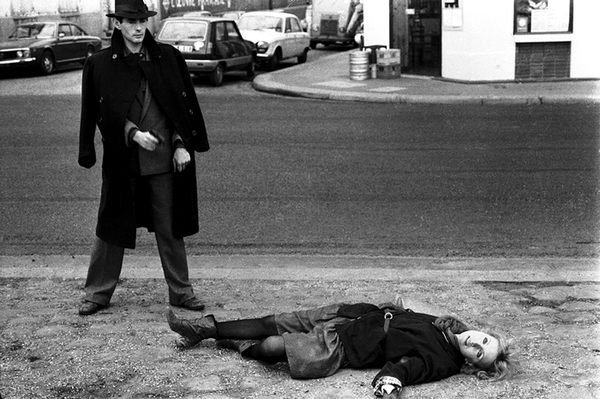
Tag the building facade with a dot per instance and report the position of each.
(91, 14)
(520, 39)
(469, 40)
(485, 40)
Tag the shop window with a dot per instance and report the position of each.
(543, 16)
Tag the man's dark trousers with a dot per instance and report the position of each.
(107, 259)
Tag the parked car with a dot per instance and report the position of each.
(210, 45)
(278, 36)
(191, 14)
(198, 14)
(46, 46)
(235, 15)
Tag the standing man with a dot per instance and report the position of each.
(140, 95)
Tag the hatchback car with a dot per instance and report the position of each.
(47, 45)
(278, 36)
(211, 46)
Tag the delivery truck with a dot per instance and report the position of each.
(334, 21)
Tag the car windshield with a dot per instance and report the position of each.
(181, 30)
(259, 22)
(33, 30)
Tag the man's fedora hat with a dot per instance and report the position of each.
(134, 9)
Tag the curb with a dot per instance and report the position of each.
(265, 83)
(296, 81)
(322, 268)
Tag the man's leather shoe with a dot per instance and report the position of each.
(89, 308)
(192, 304)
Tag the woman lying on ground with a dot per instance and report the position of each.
(413, 348)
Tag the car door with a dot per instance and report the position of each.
(65, 44)
(221, 47)
(290, 46)
(298, 33)
(240, 54)
(79, 42)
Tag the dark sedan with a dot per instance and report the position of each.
(211, 46)
(46, 46)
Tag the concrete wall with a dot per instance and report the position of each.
(483, 47)
(86, 13)
(585, 47)
(89, 14)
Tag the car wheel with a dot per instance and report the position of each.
(216, 76)
(47, 65)
(274, 61)
(251, 68)
(303, 57)
(313, 45)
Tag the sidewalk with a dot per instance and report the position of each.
(551, 307)
(328, 78)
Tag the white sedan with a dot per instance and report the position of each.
(277, 35)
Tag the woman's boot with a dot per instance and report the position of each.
(192, 331)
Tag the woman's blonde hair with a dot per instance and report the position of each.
(504, 365)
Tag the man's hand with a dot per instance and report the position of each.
(181, 159)
(145, 140)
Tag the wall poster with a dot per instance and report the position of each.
(543, 16)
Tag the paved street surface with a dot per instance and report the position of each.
(550, 307)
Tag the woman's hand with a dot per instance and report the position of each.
(394, 395)
(390, 392)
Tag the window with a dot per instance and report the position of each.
(77, 31)
(219, 32)
(543, 16)
(64, 30)
(295, 25)
(181, 30)
(232, 33)
(47, 30)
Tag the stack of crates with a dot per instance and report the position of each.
(388, 63)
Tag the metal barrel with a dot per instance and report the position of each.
(359, 65)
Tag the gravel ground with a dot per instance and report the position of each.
(127, 351)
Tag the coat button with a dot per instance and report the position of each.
(114, 57)
(100, 120)
(191, 112)
(193, 132)
(101, 99)
(184, 94)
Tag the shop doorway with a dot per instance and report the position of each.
(424, 37)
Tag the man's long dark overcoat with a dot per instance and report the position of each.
(110, 83)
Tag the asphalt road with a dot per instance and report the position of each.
(303, 176)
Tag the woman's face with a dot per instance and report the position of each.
(480, 349)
